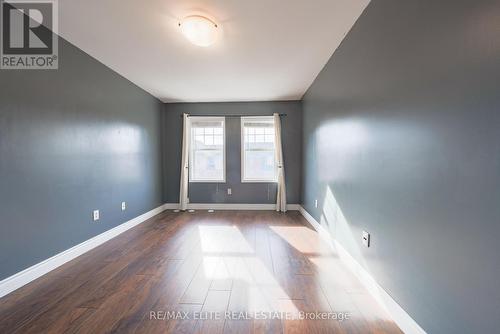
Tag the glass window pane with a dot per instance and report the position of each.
(207, 149)
(258, 158)
(208, 165)
(198, 139)
(259, 165)
(260, 146)
(259, 131)
(218, 140)
(269, 131)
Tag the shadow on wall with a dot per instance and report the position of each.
(337, 227)
(341, 152)
(350, 136)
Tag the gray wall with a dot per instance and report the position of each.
(402, 138)
(72, 140)
(241, 192)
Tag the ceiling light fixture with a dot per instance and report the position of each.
(199, 30)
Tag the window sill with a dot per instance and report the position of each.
(207, 181)
(259, 181)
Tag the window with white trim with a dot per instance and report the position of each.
(258, 163)
(207, 149)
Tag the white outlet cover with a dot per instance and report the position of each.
(315, 203)
(124, 206)
(366, 238)
(229, 191)
(96, 215)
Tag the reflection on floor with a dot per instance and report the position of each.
(222, 272)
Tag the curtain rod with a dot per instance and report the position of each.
(232, 115)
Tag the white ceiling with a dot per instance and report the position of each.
(269, 49)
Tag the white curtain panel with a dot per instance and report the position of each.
(183, 191)
(281, 197)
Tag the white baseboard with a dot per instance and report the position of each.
(171, 206)
(22, 278)
(398, 314)
(293, 207)
(231, 206)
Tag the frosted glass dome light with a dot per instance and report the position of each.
(199, 30)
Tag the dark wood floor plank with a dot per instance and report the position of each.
(70, 319)
(244, 262)
(74, 297)
(116, 306)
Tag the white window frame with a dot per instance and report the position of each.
(191, 148)
(243, 178)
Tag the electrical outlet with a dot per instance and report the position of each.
(124, 206)
(366, 238)
(229, 191)
(316, 203)
(96, 215)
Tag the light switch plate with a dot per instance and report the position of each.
(124, 206)
(366, 238)
(229, 191)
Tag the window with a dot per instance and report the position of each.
(257, 149)
(207, 156)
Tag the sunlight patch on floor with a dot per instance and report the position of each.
(260, 290)
(219, 239)
(302, 238)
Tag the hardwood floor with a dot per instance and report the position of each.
(229, 271)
